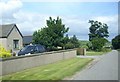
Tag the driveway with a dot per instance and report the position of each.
(104, 67)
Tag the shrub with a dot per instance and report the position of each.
(85, 46)
(69, 45)
(4, 53)
(14, 54)
(98, 43)
(89, 45)
(105, 50)
(116, 42)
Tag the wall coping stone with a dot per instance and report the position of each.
(37, 54)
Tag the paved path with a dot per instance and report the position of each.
(102, 68)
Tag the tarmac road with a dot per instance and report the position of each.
(103, 68)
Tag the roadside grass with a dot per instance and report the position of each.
(94, 53)
(54, 71)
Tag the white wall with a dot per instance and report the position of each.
(3, 42)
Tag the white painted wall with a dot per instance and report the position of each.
(3, 42)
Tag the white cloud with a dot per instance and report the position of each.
(111, 21)
(28, 22)
(107, 19)
(80, 26)
(70, 0)
(77, 26)
(10, 8)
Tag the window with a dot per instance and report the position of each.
(36, 48)
(30, 48)
(16, 44)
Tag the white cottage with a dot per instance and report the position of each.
(10, 37)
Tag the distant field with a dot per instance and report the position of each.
(83, 42)
(55, 71)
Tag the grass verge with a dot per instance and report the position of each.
(55, 71)
(94, 53)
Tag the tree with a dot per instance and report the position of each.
(98, 43)
(52, 35)
(74, 41)
(98, 34)
(97, 29)
(89, 45)
(69, 45)
(64, 41)
(42, 37)
(116, 42)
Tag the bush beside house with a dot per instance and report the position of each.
(4, 53)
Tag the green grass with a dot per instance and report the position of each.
(94, 53)
(55, 71)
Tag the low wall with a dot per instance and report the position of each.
(81, 51)
(15, 64)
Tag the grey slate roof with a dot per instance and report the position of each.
(27, 39)
(5, 30)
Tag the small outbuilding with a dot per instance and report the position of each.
(27, 40)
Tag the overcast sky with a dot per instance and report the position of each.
(32, 15)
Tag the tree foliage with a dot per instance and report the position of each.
(116, 42)
(98, 43)
(70, 43)
(52, 35)
(97, 29)
(75, 41)
(98, 34)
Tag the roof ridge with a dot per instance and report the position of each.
(28, 35)
(8, 24)
(6, 30)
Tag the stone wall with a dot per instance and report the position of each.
(81, 51)
(15, 64)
